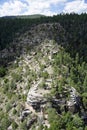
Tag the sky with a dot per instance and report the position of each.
(45, 7)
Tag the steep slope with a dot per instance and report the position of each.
(34, 36)
(39, 91)
(75, 26)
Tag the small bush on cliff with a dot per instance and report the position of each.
(2, 71)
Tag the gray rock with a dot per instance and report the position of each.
(30, 122)
(10, 127)
(24, 114)
(74, 102)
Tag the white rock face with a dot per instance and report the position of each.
(36, 97)
(74, 100)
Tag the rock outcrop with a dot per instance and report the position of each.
(36, 35)
(74, 102)
(36, 97)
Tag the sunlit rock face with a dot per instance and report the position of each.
(74, 101)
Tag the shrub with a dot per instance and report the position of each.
(2, 71)
(44, 75)
(5, 122)
(8, 107)
(42, 84)
(16, 77)
(14, 111)
(14, 125)
(77, 121)
(12, 85)
(23, 126)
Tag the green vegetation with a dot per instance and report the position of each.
(2, 71)
(69, 70)
(23, 125)
(44, 74)
(76, 39)
(30, 16)
(14, 125)
(42, 84)
(4, 122)
(66, 121)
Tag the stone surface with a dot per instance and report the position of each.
(74, 102)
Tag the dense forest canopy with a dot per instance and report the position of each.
(75, 26)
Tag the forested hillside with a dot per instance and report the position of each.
(43, 73)
(75, 26)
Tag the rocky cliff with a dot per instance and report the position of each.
(37, 90)
(34, 36)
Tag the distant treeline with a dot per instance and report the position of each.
(75, 26)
